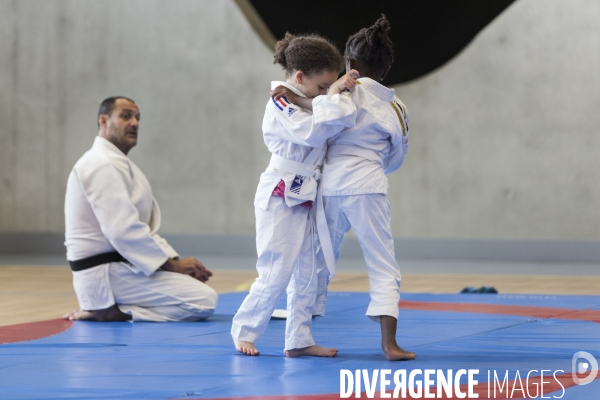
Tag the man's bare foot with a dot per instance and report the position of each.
(396, 353)
(78, 315)
(313, 351)
(246, 348)
(110, 314)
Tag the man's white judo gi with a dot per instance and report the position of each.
(355, 190)
(109, 207)
(286, 237)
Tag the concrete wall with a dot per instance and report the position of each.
(198, 72)
(502, 137)
(505, 137)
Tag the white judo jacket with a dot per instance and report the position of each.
(297, 139)
(109, 207)
(359, 157)
(294, 134)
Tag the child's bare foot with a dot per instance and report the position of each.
(390, 347)
(246, 348)
(313, 351)
(397, 353)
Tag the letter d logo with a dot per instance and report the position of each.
(581, 367)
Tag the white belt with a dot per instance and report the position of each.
(311, 170)
(295, 167)
(349, 150)
(323, 231)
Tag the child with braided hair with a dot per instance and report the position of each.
(354, 183)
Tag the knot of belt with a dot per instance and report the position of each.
(295, 167)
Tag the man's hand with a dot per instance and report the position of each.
(346, 82)
(188, 266)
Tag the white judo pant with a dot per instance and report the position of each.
(160, 297)
(370, 218)
(285, 242)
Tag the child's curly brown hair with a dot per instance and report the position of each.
(310, 54)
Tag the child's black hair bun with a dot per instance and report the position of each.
(382, 24)
(372, 46)
(378, 31)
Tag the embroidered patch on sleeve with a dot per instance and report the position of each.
(281, 103)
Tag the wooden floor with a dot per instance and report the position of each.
(29, 294)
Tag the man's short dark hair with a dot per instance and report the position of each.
(108, 104)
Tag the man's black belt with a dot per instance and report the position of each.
(94, 261)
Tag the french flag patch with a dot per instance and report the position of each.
(281, 103)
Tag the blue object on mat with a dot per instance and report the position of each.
(481, 289)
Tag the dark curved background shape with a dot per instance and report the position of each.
(426, 33)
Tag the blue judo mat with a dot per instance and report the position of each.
(197, 360)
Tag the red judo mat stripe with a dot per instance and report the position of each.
(521, 388)
(524, 311)
(32, 330)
